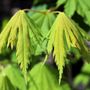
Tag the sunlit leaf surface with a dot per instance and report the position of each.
(65, 35)
(21, 32)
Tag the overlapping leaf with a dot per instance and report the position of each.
(21, 32)
(82, 7)
(48, 81)
(5, 83)
(43, 77)
(11, 79)
(44, 20)
(60, 2)
(69, 6)
(64, 36)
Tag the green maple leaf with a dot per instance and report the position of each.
(44, 20)
(5, 83)
(80, 6)
(69, 6)
(60, 2)
(21, 32)
(48, 81)
(63, 36)
(9, 77)
(83, 10)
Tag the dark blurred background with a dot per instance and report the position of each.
(7, 7)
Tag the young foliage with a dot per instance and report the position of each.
(69, 7)
(65, 35)
(38, 8)
(43, 77)
(11, 79)
(60, 2)
(5, 83)
(83, 9)
(22, 33)
(15, 77)
(45, 22)
(44, 19)
(80, 6)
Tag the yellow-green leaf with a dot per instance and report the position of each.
(19, 33)
(65, 35)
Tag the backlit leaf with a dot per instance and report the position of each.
(11, 78)
(5, 83)
(15, 77)
(44, 20)
(46, 79)
(64, 35)
(21, 32)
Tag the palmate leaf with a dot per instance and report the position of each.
(82, 7)
(69, 6)
(60, 2)
(49, 80)
(19, 33)
(11, 79)
(46, 79)
(44, 20)
(5, 83)
(15, 77)
(64, 36)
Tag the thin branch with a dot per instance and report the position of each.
(37, 11)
